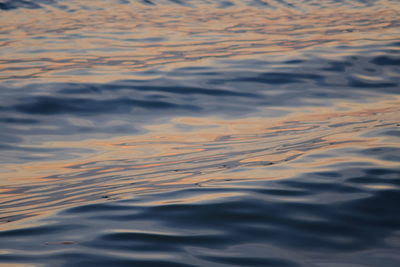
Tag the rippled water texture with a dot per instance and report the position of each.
(199, 133)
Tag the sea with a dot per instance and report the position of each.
(200, 133)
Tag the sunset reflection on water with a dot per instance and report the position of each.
(195, 151)
(198, 133)
(139, 41)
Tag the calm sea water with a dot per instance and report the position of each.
(200, 133)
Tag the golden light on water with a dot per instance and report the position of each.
(72, 48)
(96, 47)
(217, 151)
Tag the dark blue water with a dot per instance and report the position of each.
(199, 133)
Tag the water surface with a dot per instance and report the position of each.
(199, 133)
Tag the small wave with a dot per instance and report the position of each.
(254, 224)
(199, 133)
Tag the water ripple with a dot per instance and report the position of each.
(199, 133)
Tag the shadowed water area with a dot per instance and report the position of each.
(200, 133)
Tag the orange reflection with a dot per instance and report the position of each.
(216, 151)
(55, 46)
(59, 47)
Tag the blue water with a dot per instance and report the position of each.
(199, 133)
